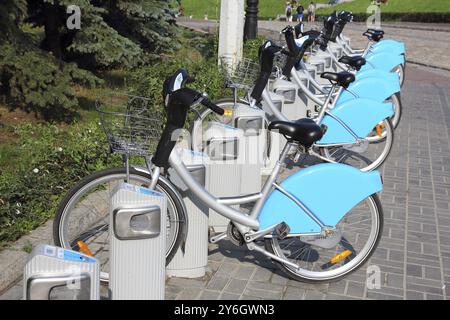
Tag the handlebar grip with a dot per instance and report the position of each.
(213, 107)
(290, 41)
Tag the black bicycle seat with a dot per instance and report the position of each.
(342, 78)
(304, 131)
(374, 35)
(355, 62)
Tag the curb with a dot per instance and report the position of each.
(14, 256)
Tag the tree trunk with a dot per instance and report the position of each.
(52, 41)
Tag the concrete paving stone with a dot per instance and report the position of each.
(227, 269)
(396, 255)
(210, 295)
(236, 286)
(424, 262)
(333, 296)
(414, 270)
(425, 282)
(338, 287)
(14, 293)
(432, 273)
(314, 295)
(229, 296)
(262, 274)
(267, 286)
(382, 296)
(246, 297)
(244, 272)
(185, 282)
(11, 266)
(414, 295)
(278, 277)
(264, 294)
(425, 289)
(429, 296)
(190, 294)
(393, 280)
(217, 283)
(293, 293)
(355, 289)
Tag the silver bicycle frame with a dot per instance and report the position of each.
(221, 204)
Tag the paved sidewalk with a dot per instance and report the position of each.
(414, 253)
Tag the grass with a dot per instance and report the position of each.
(271, 8)
(402, 6)
(267, 8)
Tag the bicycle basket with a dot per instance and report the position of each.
(130, 124)
(240, 74)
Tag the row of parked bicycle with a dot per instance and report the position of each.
(313, 94)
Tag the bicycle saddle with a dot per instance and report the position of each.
(354, 62)
(304, 131)
(374, 35)
(342, 78)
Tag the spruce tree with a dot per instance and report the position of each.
(37, 72)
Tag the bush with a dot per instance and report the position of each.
(423, 17)
(55, 160)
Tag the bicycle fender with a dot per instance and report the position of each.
(377, 73)
(328, 190)
(360, 115)
(389, 45)
(374, 88)
(383, 61)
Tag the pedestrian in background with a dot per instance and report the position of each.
(288, 12)
(300, 10)
(312, 12)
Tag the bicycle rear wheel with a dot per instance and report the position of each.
(360, 231)
(83, 215)
(371, 156)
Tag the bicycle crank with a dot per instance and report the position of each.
(234, 235)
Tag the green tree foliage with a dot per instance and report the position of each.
(37, 73)
(150, 23)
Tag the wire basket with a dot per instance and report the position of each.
(130, 124)
(240, 74)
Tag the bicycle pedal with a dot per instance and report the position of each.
(282, 230)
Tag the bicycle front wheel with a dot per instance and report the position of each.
(83, 215)
(360, 231)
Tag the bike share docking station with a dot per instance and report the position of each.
(137, 243)
(191, 259)
(56, 273)
(236, 155)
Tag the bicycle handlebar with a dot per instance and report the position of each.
(207, 103)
